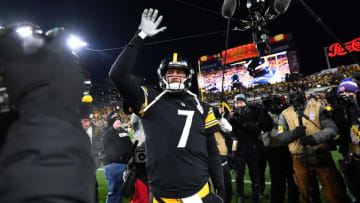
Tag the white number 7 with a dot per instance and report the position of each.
(186, 131)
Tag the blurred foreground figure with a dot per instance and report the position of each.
(45, 155)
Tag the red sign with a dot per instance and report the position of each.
(239, 53)
(336, 49)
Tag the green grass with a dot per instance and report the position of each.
(103, 184)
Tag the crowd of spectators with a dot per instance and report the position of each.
(106, 98)
(316, 80)
(101, 111)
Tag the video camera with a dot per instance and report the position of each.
(255, 109)
(275, 103)
(340, 101)
(135, 169)
(139, 155)
(331, 96)
(267, 101)
(345, 99)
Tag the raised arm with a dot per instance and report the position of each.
(120, 73)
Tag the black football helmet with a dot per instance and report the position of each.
(178, 63)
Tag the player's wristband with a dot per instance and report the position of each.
(142, 34)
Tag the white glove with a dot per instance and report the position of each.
(150, 22)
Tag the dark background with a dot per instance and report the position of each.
(110, 24)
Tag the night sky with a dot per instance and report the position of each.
(110, 24)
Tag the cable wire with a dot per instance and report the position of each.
(160, 42)
(225, 56)
(199, 7)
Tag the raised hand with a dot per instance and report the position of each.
(150, 22)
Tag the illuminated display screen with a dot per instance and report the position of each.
(275, 67)
(240, 53)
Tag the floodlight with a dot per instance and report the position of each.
(75, 42)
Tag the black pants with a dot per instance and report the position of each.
(351, 172)
(228, 142)
(281, 174)
(227, 180)
(250, 159)
(262, 161)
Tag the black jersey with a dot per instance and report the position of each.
(181, 153)
(176, 131)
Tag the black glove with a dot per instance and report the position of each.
(307, 140)
(299, 131)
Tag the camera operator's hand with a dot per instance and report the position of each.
(299, 131)
(307, 140)
(150, 22)
(232, 114)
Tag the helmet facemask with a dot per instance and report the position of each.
(182, 64)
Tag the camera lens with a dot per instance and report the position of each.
(140, 157)
(344, 99)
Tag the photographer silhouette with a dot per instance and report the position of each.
(307, 127)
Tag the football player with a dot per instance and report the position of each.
(180, 144)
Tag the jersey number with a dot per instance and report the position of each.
(186, 131)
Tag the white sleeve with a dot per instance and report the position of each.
(225, 126)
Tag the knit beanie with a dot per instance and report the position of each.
(240, 97)
(347, 85)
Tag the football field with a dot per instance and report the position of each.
(103, 185)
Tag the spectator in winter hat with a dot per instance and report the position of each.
(348, 87)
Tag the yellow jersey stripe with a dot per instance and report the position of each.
(210, 117)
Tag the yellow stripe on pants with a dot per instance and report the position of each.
(203, 192)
